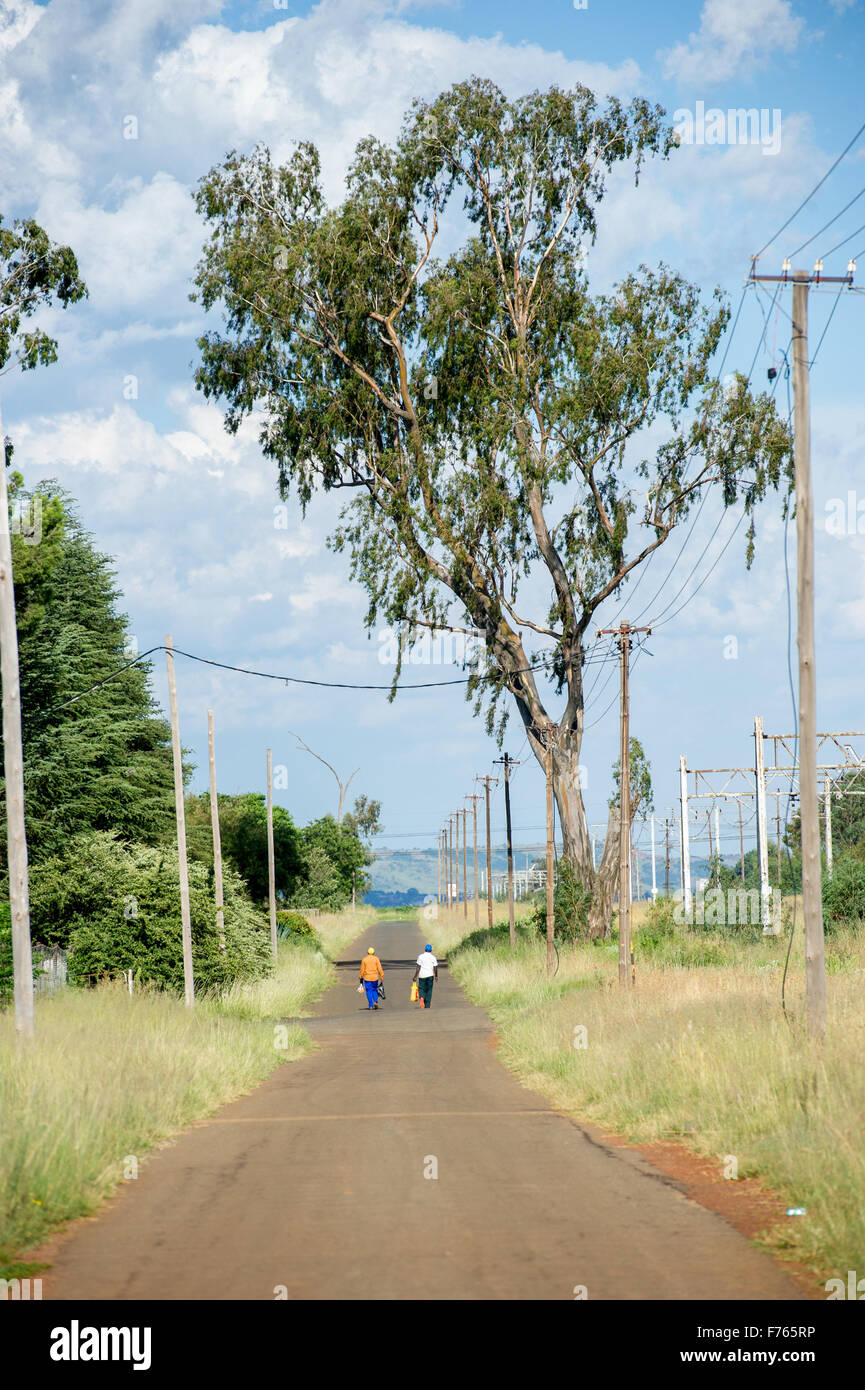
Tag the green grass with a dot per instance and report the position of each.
(701, 1052)
(110, 1075)
(338, 929)
(301, 975)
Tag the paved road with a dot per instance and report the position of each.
(316, 1182)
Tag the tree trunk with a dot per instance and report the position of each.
(577, 841)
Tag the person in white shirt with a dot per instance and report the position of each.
(426, 972)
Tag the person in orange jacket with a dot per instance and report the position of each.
(371, 976)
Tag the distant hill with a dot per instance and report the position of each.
(405, 876)
(409, 897)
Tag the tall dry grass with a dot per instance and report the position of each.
(703, 1053)
(301, 975)
(338, 929)
(110, 1075)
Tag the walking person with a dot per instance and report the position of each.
(426, 972)
(371, 976)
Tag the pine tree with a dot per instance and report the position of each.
(94, 759)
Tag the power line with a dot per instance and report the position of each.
(816, 187)
(273, 676)
(827, 225)
(826, 327)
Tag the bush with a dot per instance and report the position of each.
(571, 904)
(116, 907)
(844, 891)
(293, 926)
(321, 887)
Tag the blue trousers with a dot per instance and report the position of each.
(371, 992)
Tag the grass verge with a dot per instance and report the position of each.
(699, 1052)
(110, 1075)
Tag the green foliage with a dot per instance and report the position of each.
(35, 274)
(659, 922)
(642, 800)
(99, 760)
(294, 927)
(844, 891)
(346, 852)
(728, 876)
(116, 907)
(572, 902)
(483, 409)
(7, 982)
(321, 885)
(571, 905)
(243, 834)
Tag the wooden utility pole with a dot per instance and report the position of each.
(812, 874)
(465, 871)
(454, 823)
(13, 772)
(508, 764)
(217, 839)
(271, 857)
(486, 781)
(778, 837)
(623, 637)
(180, 812)
(827, 816)
(654, 871)
(474, 799)
(812, 886)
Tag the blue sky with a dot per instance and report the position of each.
(187, 513)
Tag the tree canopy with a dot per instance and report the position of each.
(94, 759)
(485, 411)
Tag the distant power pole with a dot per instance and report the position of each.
(465, 874)
(654, 871)
(180, 813)
(741, 839)
(454, 822)
(486, 781)
(762, 832)
(623, 637)
(217, 839)
(13, 770)
(667, 858)
(271, 858)
(508, 764)
(439, 847)
(474, 799)
(827, 814)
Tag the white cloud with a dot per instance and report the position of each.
(323, 590)
(735, 38)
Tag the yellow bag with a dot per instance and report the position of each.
(413, 995)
